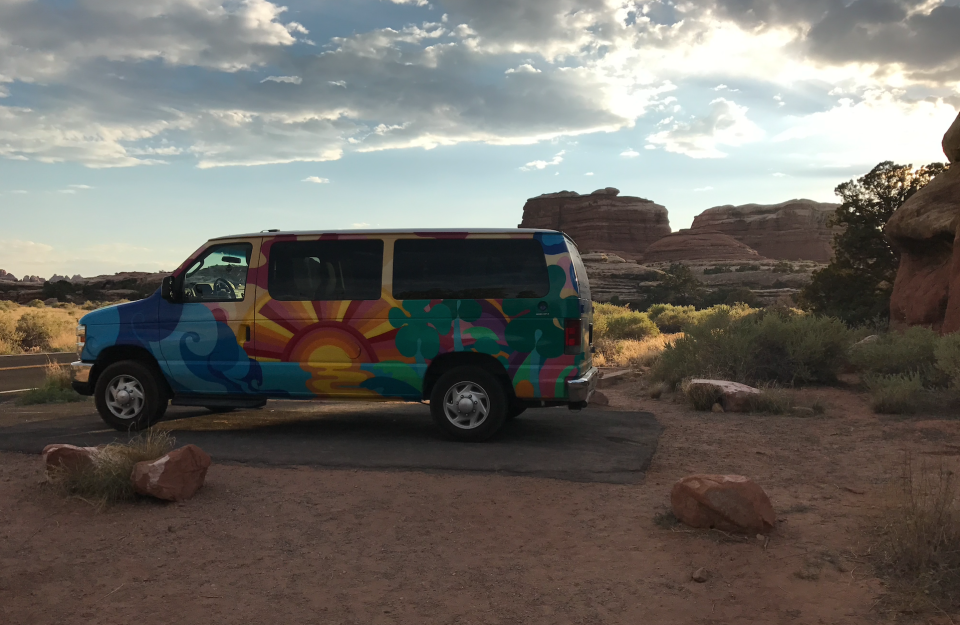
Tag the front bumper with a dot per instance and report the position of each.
(580, 389)
(80, 372)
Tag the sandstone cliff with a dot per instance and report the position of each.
(690, 245)
(600, 222)
(792, 230)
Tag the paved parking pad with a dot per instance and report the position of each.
(593, 445)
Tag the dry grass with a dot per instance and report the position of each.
(920, 538)
(56, 388)
(108, 481)
(32, 329)
(632, 353)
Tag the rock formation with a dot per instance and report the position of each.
(951, 141)
(924, 232)
(792, 230)
(690, 245)
(730, 503)
(600, 222)
(7, 277)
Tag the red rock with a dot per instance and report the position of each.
(174, 477)
(689, 245)
(951, 141)
(791, 230)
(599, 399)
(731, 503)
(600, 222)
(734, 397)
(924, 230)
(69, 457)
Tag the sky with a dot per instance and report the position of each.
(131, 132)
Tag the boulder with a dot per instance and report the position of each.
(602, 221)
(951, 141)
(175, 477)
(687, 245)
(599, 399)
(731, 503)
(791, 230)
(734, 397)
(68, 457)
(923, 230)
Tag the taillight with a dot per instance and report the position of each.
(572, 336)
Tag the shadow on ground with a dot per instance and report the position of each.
(592, 445)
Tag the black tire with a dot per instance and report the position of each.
(484, 385)
(130, 376)
(515, 410)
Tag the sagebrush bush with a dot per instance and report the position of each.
(775, 347)
(896, 393)
(895, 353)
(39, 330)
(9, 337)
(670, 318)
(947, 354)
(631, 353)
(702, 396)
(6, 305)
(611, 322)
(35, 303)
(771, 400)
(56, 388)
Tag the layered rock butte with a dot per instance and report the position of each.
(924, 232)
(691, 245)
(791, 230)
(601, 221)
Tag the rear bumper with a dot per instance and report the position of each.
(580, 389)
(80, 372)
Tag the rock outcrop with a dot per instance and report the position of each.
(691, 245)
(732, 396)
(174, 477)
(600, 222)
(951, 141)
(792, 230)
(731, 503)
(924, 232)
(7, 277)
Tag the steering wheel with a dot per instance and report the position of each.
(222, 285)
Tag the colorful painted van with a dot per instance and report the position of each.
(482, 323)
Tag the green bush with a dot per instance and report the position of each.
(746, 268)
(6, 305)
(894, 353)
(9, 337)
(38, 329)
(709, 271)
(947, 354)
(750, 348)
(670, 318)
(35, 303)
(782, 266)
(56, 388)
(771, 400)
(616, 323)
(898, 393)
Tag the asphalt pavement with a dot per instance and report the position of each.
(593, 445)
(25, 371)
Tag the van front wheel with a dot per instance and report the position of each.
(129, 397)
(468, 404)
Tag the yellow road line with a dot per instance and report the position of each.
(23, 367)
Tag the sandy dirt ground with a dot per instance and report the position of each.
(305, 545)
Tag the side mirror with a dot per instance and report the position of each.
(167, 289)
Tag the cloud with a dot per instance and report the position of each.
(779, 174)
(294, 80)
(589, 173)
(361, 225)
(556, 160)
(701, 189)
(80, 186)
(630, 153)
(19, 192)
(24, 257)
(316, 180)
(526, 68)
(725, 124)
(416, 3)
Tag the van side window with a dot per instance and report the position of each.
(469, 269)
(220, 275)
(326, 270)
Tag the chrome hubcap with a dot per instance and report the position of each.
(125, 397)
(466, 405)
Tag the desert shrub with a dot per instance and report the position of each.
(771, 400)
(702, 396)
(35, 303)
(947, 354)
(751, 348)
(782, 266)
(108, 480)
(9, 337)
(56, 388)
(612, 322)
(746, 268)
(709, 271)
(631, 353)
(920, 538)
(41, 330)
(6, 305)
(896, 393)
(912, 351)
(670, 318)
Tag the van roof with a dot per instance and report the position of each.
(393, 231)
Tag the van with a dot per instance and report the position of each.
(483, 324)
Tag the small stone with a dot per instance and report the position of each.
(68, 457)
(717, 408)
(700, 576)
(599, 399)
(731, 503)
(174, 477)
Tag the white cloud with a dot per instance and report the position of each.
(19, 192)
(589, 173)
(416, 3)
(556, 160)
(316, 180)
(338, 83)
(631, 153)
(79, 186)
(361, 225)
(526, 68)
(294, 80)
(779, 174)
(725, 124)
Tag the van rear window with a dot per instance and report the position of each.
(326, 270)
(469, 269)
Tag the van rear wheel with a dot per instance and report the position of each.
(468, 404)
(129, 396)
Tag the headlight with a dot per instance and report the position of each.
(81, 338)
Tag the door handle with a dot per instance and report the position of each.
(246, 333)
